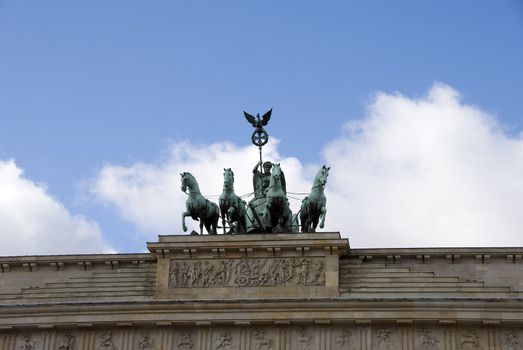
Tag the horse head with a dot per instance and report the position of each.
(188, 181)
(276, 172)
(321, 177)
(228, 178)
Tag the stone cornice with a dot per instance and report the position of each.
(248, 244)
(57, 262)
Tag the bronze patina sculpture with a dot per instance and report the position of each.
(277, 209)
(313, 207)
(261, 179)
(269, 210)
(259, 137)
(232, 207)
(198, 207)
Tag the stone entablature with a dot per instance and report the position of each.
(243, 292)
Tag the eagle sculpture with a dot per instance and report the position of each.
(258, 122)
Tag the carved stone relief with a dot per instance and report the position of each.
(469, 340)
(67, 342)
(146, 342)
(106, 341)
(343, 340)
(427, 340)
(261, 341)
(185, 341)
(512, 341)
(266, 337)
(223, 341)
(304, 338)
(383, 339)
(270, 272)
(28, 343)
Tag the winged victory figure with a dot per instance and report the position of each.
(258, 122)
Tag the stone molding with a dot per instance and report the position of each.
(61, 262)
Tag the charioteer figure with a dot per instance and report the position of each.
(261, 179)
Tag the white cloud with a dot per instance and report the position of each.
(431, 171)
(427, 172)
(33, 222)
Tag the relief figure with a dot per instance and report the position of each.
(427, 341)
(343, 340)
(512, 342)
(224, 341)
(384, 341)
(28, 343)
(469, 341)
(304, 338)
(185, 342)
(146, 342)
(67, 342)
(261, 342)
(106, 341)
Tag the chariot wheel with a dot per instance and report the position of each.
(243, 281)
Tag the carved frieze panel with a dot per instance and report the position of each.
(224, 340)
(471, 339)
(28, 342)
(106, 341)
(304, 338)
(427, 338)
(260, 272)
(385, 339)
(263, 339)
(146, 341)
(66, 341)
(512, 341)
(185, 340)
(343, 338)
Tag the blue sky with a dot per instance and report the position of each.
(88, 85)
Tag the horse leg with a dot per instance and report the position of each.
(242, 227)
(201, 226)
(314, 223)
(305, 216)
(223, 213)
(323, 213)
(279, 218)
(214, 222)
(267, 217)
(184, 214)
(303, 219)
(223, 221)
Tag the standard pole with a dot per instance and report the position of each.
(261, 160)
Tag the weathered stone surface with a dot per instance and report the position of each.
(283, 291)
(261, 266)
(348, 336)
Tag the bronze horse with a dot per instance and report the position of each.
(198, 207)
(277, 211)
(232, 207)
(313, 207)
